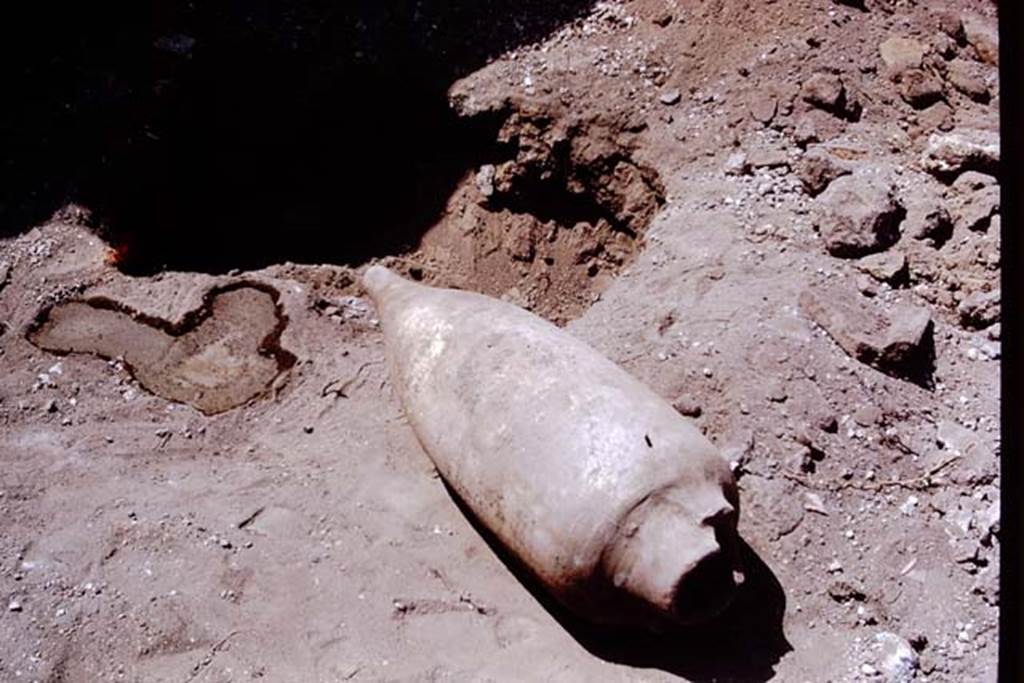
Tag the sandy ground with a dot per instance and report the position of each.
(756, 209)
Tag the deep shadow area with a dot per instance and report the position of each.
(744, 643)
(212, 136)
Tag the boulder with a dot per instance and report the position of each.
(858, 215)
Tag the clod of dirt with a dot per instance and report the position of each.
(898, 343)
(220, 356)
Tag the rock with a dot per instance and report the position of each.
(14, 605)
(975, 211)
(738, 449)
(989, 521)
(841, 590)
(983, 37)
(828, 424)
(927, 219)
(919, 88)
(814, 503)
(485, 180)
(805, 131)
(969, 79)
(981, 309)
(908, 506)
(663, 19)
(889, 266)
(938, 116)
(866, 285)
(944, 46)
(688, 406)
(956, 438)
(896, 658)
(737, 164)
(950, 154)
(775, 391)
(768, 157)
(826, 91)
(898, 343)
(763, 107)
(520, 243)
(949, 22)
(818, 168)
(859, 215)
(972, 181)
(867, 416)
(899, 54)
(670, 97)
(801, 460)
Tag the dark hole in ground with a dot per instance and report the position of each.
(210, 137)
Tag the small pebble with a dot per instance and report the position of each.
(687, 406)
(908, 505)
(670, 97)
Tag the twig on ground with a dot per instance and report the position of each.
(918, 483)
